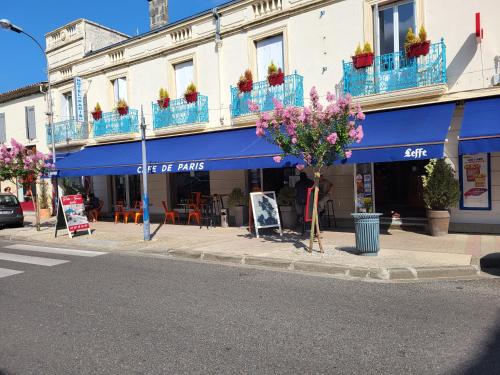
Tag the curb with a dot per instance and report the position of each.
(378, 274)
(374, 274)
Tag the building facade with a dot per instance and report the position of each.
(426, 98)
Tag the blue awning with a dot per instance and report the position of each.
(222, 150)
(404, 134)
(480, 127)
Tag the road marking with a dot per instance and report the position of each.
(31, 260)
(4, 272)
(55, 250)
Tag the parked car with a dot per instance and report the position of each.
(11, 212)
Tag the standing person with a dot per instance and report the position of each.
(325, 187)
(301, 193)
(94, 207)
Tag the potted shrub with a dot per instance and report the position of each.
(122, 107)
(44, 201)
(97, 112)
(441, 191)
(191, 94)
(286, 204)
(238, 207)
(245, 83)
(275, 75)
(417, 46)
(164, 100)
(363, 57)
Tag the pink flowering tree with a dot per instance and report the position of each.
(319, 135)
(23, 165)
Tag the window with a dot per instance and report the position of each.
(392, 22)
(184, 75)
(67, 106)
(3, 130)
(30, 123)
(269, 50)
(120, 89)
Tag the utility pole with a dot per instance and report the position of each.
(145, 196)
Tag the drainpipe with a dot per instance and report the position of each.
(218, 50)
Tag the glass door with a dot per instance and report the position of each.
(391, 25)
(127, 190)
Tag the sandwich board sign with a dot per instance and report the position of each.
(265, 211)
(71, 215)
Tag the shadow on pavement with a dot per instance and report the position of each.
(488, 360)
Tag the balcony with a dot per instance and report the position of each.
(68, 133)
(290, 93)
(180, 112)
(395, 71)
(112, 125)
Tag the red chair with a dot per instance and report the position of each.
(138, 211)
(121, 211)
(169, 214)
(194, 211)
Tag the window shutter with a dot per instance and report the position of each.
(30, 123)
(3, 130)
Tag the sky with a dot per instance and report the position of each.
(22, 63)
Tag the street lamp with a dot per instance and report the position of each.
(7, 25)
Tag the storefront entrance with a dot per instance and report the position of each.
(398, 188)
(126, 189)
(183, 185)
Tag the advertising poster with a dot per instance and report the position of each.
(265, 210)
(363, 181)
(475, 182)
(73, 210)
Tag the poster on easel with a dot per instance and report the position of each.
(265, 211)
(71, 215)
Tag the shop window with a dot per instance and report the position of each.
(183, 185)
(184, 75)
(269, 50)
(127, 189)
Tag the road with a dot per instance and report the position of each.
(125, 314)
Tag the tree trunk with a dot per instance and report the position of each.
(37, 206)
(314, 223)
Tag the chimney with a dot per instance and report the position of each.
(158, 13)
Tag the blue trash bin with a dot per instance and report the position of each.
(367, 228)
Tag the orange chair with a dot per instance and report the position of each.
(195, 198)
(169, 213)
(194, 211)
(138, 211)
(121, 211)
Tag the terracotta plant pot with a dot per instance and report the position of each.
(245, 86)
(191, 97)
(164, 103)
(276, 79)
(122, 111)
(45, 213)
(418, 49)
(439, 222)
(363, 60)
(97, 115)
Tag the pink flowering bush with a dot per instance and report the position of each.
(19, 162)
(318, 134)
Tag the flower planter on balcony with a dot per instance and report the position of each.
(97, 115)
(363, 60)
(191, 97)
(163, 103)
(418, 49)
(122, 111)
(276, 79)
(245, 86)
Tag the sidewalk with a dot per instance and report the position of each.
(403, 255)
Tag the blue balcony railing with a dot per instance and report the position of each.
(112, 123)
(290, 93)
(395, 71)
(68, 131)
(180, 112)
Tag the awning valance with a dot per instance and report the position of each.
(480, 127)
(222, 150)
(404, 134)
